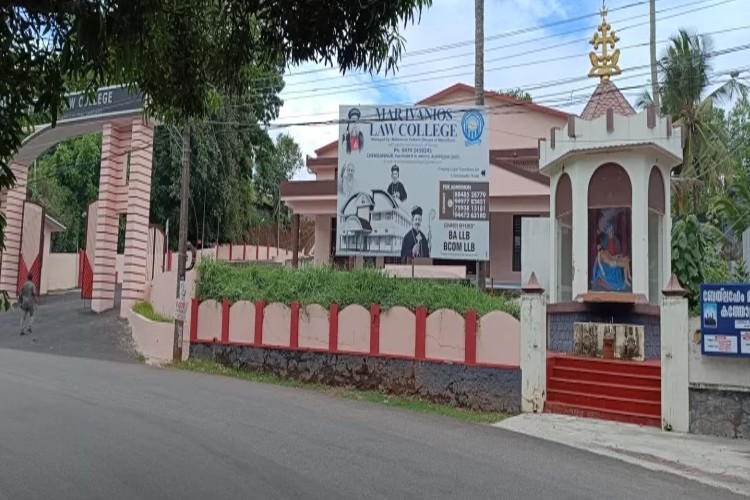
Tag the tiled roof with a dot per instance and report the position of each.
(606, 96)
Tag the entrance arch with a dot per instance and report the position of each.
(124, 188)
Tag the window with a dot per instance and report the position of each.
(517, 241)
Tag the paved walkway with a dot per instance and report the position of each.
(65, 325)
(718, 462)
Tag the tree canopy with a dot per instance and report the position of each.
(180, 53)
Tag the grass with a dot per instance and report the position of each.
(404, 402)
(146, 310)
(325, 285)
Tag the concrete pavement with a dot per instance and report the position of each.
(82, 428)
(714, 461)
(64, 325)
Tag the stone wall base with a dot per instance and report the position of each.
(481, 388)
(720, 412)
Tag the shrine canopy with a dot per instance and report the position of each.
(609, 175)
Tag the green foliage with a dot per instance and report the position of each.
(278, 165)
(65, 180)
(688, 248)
(181, 55)
(324, 285)
(146, 310)
(519, 94)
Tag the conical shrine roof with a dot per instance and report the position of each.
(606, 96)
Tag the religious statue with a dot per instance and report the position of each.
(611, 270)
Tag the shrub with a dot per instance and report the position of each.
(325, 285)
(146, 310)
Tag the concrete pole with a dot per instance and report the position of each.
(182, 245)
(295, 240)
(479, 100)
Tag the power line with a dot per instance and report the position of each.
(314, 92)
(523, 42)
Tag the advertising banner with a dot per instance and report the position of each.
(725, 319)
(413, 182)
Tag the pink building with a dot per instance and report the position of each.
(517, 189)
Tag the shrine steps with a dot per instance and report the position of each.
(623, 391)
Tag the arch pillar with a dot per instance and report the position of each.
(579, 180)
(138, 208)
(112, 179)
(11, 204)
(639, 171)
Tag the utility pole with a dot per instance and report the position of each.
(654, 73)
(479, 97)
(179, 322)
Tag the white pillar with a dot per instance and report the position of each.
(666, 236)
(322, 247)
(675, 346)
(579, 180)
(533, 347)
(11, 204)
(554, 242)
(639, 175)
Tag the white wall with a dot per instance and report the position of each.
(535, 245)
(715, 371)
(59, 272)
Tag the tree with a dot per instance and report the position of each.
(280, 165)
(180, 54)
(684, 69)
(519, 94)
(65, 181)
(222, 192)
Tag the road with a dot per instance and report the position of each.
(64, 324)
(82, 428)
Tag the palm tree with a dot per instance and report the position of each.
(685, 72)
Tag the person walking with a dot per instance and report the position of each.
(27, 299)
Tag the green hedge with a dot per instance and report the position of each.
(324, 285)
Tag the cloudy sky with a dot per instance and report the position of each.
(540, 46)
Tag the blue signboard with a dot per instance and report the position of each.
(725, 320)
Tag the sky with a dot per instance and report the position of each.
(541, 46)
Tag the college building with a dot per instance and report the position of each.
(517, 190)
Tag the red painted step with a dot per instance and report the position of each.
(619, 390)
(649, 368)
(643, 407)
(617, 416)
(605, 377)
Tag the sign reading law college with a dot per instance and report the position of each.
(413, 182)
(725, 320)
(107, 100)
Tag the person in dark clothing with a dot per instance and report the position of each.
(27, 302)
(396, 188)
(415, 243)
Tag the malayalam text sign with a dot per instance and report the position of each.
(725, 319)
(413, 182)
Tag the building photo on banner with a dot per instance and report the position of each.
(413, 182)
(725, 319)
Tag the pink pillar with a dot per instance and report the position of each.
(11, 204)
(139, 205)
(115, 142)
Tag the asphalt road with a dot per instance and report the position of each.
(64, 324)
(81, 428)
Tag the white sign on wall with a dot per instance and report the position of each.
(413, 181)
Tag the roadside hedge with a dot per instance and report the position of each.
(325, 285)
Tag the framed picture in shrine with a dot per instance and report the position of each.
(610, 253)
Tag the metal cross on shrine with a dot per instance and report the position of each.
(604, 65)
